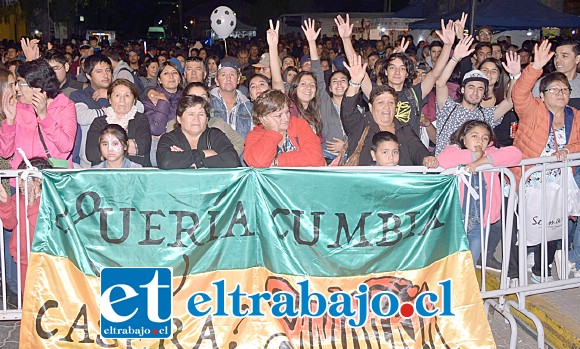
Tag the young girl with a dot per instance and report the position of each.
(30, 208)
(113, 145)
(472, 146)
(385, 149)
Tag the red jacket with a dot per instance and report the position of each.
(261, 146)
(8, 217)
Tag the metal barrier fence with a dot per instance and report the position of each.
(508, 225)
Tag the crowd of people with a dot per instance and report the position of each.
(293, 101)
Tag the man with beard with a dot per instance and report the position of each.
(452, 114)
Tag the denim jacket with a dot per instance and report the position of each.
(240, 117)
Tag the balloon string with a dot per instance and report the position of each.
(226, 46)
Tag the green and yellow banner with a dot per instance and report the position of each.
(266, 231)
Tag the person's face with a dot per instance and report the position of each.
(212, 66)
(101, 76)
(133, 57)
(11, 54)
(202, 54)
(69, 58)
(477, 137)
(307, 66)
(383, 109)
(112, 148)
(325, 66)
(338, 85)
(181, 60)
(483, 53)
(421, 74)
(524, 57)
(290, 76)
(396, 72)
(243, 58)
(305, 49)
(328, 45)
(484, 35)
(387, 154)
(257, 87)
(473, 92)
(380, 45)
(60, 70)
(24, 92)
(306, 89)
(84, 52)
(69, 49)
(93, 42)
(198, 91)
(265, 71)
(491, 71)
(254, 51)
(194, 71)
(152, 69)
(287, 62)
(122, 100)
(319, 50)
(565, 59)
(372, 60)
(227, 79)
(11, 85)
(435, 52)
(193, 121)
(281, 117)
(496, 52)
(169, 79)
(331, 54)
(556, 96)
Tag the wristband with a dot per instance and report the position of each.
(453, 58)
(516, 77)
(355, 84)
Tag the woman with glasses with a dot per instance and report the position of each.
(548, 126)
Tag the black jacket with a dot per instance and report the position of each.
(211, 138)
(137, 129)
(412, 151)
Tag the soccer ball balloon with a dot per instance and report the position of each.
(223, 21)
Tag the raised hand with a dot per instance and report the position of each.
(459, 26)
(9, 105)
(447, 34)
(512, 65)
(343, 26)
(462, 49)
(3, 194)
(357, 70)
(272, 34)
(30, 48)
(542, 54)
(310, 33)
(39, 103)
(403, 47)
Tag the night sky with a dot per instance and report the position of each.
(144, 13)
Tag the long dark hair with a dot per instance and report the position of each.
(499, 88)
(312, 112)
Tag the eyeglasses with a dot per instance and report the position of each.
(57, 68)
(22, 83)
(484, 32)
(557, 91)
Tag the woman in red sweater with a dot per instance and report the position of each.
(278, 138)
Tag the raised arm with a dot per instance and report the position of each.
(345, 31)
(523, 99)
(275, 69)
(513, 68)
(311, 35)
(461, 50)
(447, 35)
(350, 115)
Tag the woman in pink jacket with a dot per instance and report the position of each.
(472, 146)
(38, 108)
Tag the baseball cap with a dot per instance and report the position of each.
(304, 59)
(502, 38)
(85, 44)
(475, 75)
(264, 61)
(229, 62)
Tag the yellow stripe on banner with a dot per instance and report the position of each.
(61, 310)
